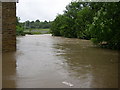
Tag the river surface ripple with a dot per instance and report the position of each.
(45, 61)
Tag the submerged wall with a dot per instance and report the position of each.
(8, 26)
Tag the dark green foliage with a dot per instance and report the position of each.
(74, 22)
(106, 25)
(37, 24)
(19, 28)
(99, 22)
(32, 27)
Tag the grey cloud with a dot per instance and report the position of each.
(40, 9)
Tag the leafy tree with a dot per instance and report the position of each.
(105, 27)
(37, 21)
(90, 20)
(27, 24)
(37, 24)
(84, 18)
(19, 27)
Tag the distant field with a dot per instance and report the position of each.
(37, 31)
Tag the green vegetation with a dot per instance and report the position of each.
(99, 22)
(36, 31)
(37, 24)
(33, 27)
(19, 28)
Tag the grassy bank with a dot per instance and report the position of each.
(37, 31)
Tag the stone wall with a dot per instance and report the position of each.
(0, 27)
(0, 45)
(8, 26)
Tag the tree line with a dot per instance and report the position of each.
(37, 24)
(21, 27)
(98, 22)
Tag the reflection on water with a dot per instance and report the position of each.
(44, 61)
(8, 70)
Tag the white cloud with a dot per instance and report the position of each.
(40, 9)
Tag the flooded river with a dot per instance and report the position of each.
(45, 61)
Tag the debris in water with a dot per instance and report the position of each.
(69, 84)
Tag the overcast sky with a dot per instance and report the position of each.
(40, 9)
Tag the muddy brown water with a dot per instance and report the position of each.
(44, 61)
